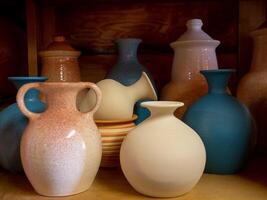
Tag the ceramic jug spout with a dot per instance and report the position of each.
(141, 89)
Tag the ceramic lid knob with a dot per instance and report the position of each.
(59, 44)
(59, 47)
(194, 24)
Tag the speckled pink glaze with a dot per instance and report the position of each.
(61, 147)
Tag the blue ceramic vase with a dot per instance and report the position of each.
(128, 70)
(13, 123)
(223, 123)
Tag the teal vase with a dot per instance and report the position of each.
(223, 123)
(128, 70)
(13, 123)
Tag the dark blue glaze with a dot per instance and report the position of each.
(223, 123)
(141, 112)
(13, 123)
(128, 69)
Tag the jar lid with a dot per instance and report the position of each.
(194, 33)
(59, 43)
(59, 47)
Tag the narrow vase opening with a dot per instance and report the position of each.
(162, 107)
(217, 79)
(127, 48)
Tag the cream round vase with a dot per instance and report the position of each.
(118, 100)
(162, 157)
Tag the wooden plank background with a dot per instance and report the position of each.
(93, 28)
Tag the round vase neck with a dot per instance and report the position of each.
(161, 108)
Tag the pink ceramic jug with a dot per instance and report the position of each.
(61, 147)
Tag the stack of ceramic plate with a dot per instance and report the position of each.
(113, 133)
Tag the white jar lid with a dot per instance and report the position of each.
(194, 33)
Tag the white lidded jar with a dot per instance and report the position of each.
(193, 51)
(162, 157)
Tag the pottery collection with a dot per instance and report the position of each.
(61, 147)
(60, 61)
(223, 123)
(13, 123)
(193, 51)
(162, 157)
(252, 88)
(60, 138)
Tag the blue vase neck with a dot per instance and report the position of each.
(217, 80)
(127, 49)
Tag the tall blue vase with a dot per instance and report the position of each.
(128, 70)
(13, 123)
(223, 123)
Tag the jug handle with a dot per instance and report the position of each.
(88, 85)
(20, 100)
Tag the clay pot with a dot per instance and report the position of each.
(61, 147)
(223, 123)
(60, 61)
(162, 157)
(193, 51)
(112, 133)
(118, 100)
(252, 88)
(13, 123)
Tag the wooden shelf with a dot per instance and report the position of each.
(111, 184)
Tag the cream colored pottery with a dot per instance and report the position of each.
(193, 51)
(118, 100)
(61, 147)
(162, 157)
(111, 144)
(112, 139)
(60, 61)
(112, 134)
(111, 147)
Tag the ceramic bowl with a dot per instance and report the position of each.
(112, 134)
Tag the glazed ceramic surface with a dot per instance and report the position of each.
(112, 133)
(13, 123)
(162, 157)
(61, 147)
(252, 89)
(140, 111)
(128, 70)
(118, 100)
(193, 51)
(223, 123)
(60, 61)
